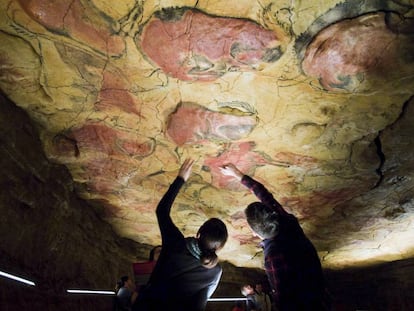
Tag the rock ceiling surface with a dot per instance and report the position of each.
(313, 98)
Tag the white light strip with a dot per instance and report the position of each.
(227, 299)
(87, 291)
(16, 278)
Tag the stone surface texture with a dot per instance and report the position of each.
(313, 98)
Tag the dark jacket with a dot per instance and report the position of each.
(291, 262)
(179, 281)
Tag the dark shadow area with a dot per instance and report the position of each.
(385, 287)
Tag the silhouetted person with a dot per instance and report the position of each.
(291, 262)
(262, 299)
(125, 294)
(247, 290)
(187, 271)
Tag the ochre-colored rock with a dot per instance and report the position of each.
(313, 98)
(350, 53)
(191, 45)
(191, 124)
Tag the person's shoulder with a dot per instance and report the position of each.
(124, 292)
(288, 222)
(216, 270)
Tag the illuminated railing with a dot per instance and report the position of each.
(100, 292)
(16, 278)
(89, 291)
(227, 299)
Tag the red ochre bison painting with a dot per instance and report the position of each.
(80, 21)
(345, 54)
(192, 123)
(190, 45)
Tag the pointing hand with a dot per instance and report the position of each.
(185, 169)
(231, 170)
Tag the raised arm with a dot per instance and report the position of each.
(169, 232)
(185, 169)
(257, 188)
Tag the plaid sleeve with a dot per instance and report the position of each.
(262, 193)
(277, 270)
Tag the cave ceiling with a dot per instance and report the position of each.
(313, 98)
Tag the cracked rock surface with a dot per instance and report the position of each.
(313, 98)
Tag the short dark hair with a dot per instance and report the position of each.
(121, 282)
(243, 289)
(124, 279)
(263, 219)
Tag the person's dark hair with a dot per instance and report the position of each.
(152, 253)
(244, 287)
(262, 219)
(212, 236)
(121, 282)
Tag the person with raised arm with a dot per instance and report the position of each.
(291, 262)
(187, 271)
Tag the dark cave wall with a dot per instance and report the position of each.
(47, 234)
(384, 287)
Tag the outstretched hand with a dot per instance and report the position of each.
(231, 170)
(185, 169)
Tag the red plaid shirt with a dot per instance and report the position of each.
(290, 260)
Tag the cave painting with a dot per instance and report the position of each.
(190, 45)
(192, 123)
(123, 107)
(104, 175)
(110, 141)
(78, 20)
(115, 93)
(248, 159)
(244, 155)
(344, 54)
(108, 155)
